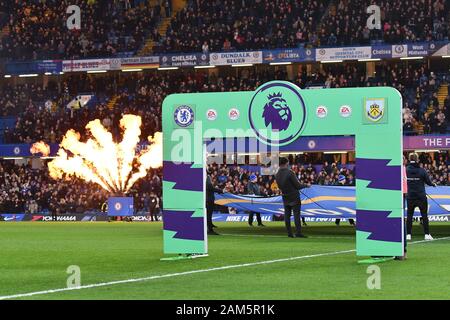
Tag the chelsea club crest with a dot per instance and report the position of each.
(183, 116)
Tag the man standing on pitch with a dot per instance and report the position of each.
(210, 198)
(253, 188)
(416, 196)
(290, 186)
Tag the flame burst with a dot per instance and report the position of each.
(40, 147)
(113, 166)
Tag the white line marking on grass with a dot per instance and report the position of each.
(250, 264)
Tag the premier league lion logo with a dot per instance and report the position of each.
(277, 112)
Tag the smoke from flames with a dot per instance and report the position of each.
(113, 166)
(40, 147)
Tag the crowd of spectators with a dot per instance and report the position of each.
(38, 30)
(437, 168)
(42, 113)
(24, 189)
(234, 178)
(41, 120)
(28, 189)
(401, 21)
(205, 25)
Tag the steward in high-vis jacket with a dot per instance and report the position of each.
(417, 177)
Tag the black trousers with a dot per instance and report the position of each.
(288, 211)
(338, 221)
(258, 218)
(209, 213)
(422, 204)
(54, 216)
(153, 215)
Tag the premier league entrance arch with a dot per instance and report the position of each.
(277, 115)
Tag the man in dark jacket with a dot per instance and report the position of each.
(254, 189)
(210, 189)
(416, 197)
(290, 186)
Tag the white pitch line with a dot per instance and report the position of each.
(250, 264)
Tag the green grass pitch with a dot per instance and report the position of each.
(35, 256)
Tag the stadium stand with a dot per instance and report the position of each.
(37, 29)
(41, 111)
(403, 21)
(234, 178)
(111, 28)
(211, 26)
(31, 190)
(235, 24)
(44, 109)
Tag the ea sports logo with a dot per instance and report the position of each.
(345, 111)
(233, 114)
(211, 114)
(277, 113)
(321, 112)
(117, 206)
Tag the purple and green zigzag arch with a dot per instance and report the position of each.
(379, 224)
(184, 176)
(185, 226)
(379, 173)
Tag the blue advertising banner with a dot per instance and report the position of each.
(248, 145)
(381, 52)
(288, 55)
(52, 66)
(321, 144)
(13, 217)
(420, 49)
(378, 51)
(326, 202)
(184, 60)
(241, 217)
(23, 150)
(304, 144)
(120, 206)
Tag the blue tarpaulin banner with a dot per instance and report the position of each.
(326, 202)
